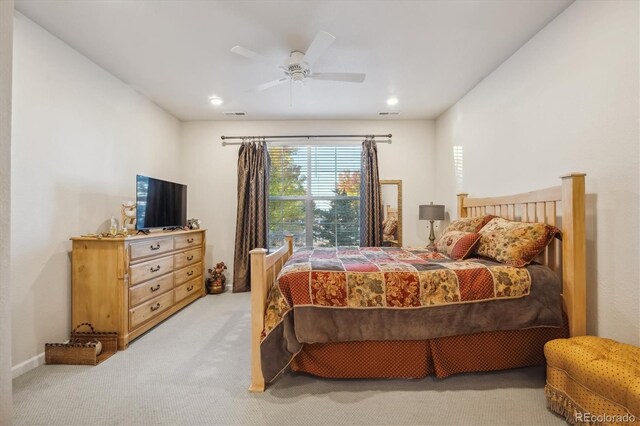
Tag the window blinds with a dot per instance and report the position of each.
(314, 194)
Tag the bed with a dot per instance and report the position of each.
(418, 343)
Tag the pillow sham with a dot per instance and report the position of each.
(390, 226)
(457, 244)
(466, 224)
(514, 243)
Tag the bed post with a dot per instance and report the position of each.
(289, 239)
(258, 301)
(462, 211)
(574, 286)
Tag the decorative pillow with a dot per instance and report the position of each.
(390, 226)
(457, 244)
(514, 243)
(466, 224)
(469, 224)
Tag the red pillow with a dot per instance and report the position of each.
(457, 245)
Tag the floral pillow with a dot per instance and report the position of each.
(457, 244)
(390, 226)
(467, 224)
(514, 243)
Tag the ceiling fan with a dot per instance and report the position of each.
(298, 66)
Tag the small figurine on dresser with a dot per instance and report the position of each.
(215, 284)
(128, 216)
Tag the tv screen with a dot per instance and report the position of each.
(160, 204)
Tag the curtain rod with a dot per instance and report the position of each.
(224, 138)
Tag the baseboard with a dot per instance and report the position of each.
(27, 365)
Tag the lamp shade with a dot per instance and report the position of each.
(432, 212)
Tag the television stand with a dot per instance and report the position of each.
(173, 228)
(143, 231)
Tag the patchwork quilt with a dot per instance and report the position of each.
(390, 293)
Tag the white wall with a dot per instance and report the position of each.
(6, 48)
(210, 170)
(79, 137)
(566, 101)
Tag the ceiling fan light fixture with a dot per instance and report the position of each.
(297, 69)
(215, 100)
(392, 101)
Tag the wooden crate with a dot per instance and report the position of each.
(81, 349)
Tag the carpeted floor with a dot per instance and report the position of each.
(194, 369)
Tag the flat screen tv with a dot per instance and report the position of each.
(160, 204)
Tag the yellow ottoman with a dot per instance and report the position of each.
(591, 380)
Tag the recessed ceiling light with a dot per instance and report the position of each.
(215, 100)
(392, 101)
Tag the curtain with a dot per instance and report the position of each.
(370, 197)
(251, 222)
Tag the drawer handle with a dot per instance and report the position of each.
(155, 308)
(156, 247)
(190, 240)
(156, 288)
(189, 257)
(189, 273)
(190, 288)
(156, 269)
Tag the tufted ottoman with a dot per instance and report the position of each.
(591, 380)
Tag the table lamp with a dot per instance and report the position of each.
(431, 212)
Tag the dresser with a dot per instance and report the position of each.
(129, 285)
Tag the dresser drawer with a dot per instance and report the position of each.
(150, 289)
(185, 274)
(151, 247)
(150, 309)
(187, 289)
(188, 240)
(151, 269)
(190, 257)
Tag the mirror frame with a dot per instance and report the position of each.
(397, 182)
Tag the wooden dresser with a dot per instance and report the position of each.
(131, 284)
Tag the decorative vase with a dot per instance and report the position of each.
(214, 286)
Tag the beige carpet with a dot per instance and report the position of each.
(193, 369)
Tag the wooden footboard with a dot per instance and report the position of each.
(264, 271)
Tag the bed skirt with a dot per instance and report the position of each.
(442, 357)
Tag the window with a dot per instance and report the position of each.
(458, 166)
(314, 194)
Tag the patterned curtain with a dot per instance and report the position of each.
(251, 222)
(370, 197)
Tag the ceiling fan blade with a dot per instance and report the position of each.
(269, 85)
(349, 77)
(250, 54)
(318, 46)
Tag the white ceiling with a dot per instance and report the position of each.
(426, 53)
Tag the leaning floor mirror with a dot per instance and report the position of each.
(391, 194)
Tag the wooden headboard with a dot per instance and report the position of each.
(390, 212)
(562, 206)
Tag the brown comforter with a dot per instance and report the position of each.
(389, 293)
